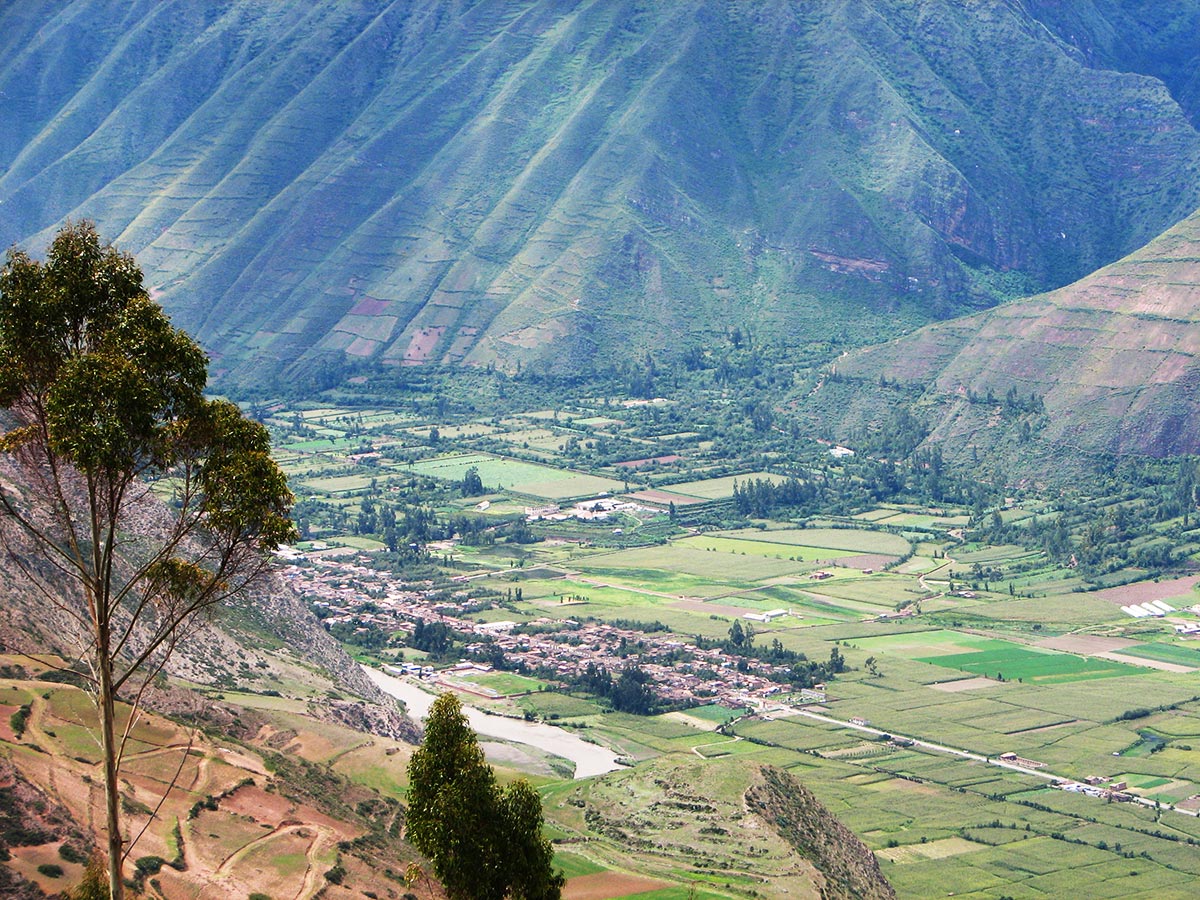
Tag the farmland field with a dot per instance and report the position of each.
(718, 488)
(761, 548)
(504, 683)
(515, 475)
(1014, 662)
(1172, 653)
(977, 646)
(855, 540)
(652, 563)
(997, 658)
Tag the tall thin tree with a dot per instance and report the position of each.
(135, 503)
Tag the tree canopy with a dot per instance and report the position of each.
(107, 419)
(485, 843)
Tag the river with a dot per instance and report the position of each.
(589, 759)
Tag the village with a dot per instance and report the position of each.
(344, 590)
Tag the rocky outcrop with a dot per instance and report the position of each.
(848, 870)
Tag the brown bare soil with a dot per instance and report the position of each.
(866, 561)
(422, 344)
(1147, 663)
(257, 839)
(963, 684)
(607, 885)
(258, 804)
(1086, 644)
(1143, 591)
(6, 732)
(710, 607)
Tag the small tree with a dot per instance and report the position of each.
(484, 843)
(472, 484)
(110, 419)
(529, 855)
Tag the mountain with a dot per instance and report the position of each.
(1108, 365)
(323, 186)
(1157, 39)
(678, 820)
(256, 807)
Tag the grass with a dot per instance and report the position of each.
(1012, 662)
(712, 712)
(760, 548)
(717, 488)
(339, 484)
(657, 565)
(1162, 652)
(572, 864)
(515, 475)
(551, 705)
(505, 683)
(855, 540)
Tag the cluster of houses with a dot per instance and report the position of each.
(343, 591)
(680, 672)
(597, 510)
(1021, 761)
(1096, 786)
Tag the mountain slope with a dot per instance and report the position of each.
(1115, 358)
(848, 869)
(1161, 40)
(564, 184)
(680, 821)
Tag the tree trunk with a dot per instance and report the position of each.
(112, 797)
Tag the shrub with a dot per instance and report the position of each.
(73, 854)
(50, 870)
(149, 865)
(18, 719)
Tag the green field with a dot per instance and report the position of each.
(761, 548)
(1012, 662)
(712, 712)
(852, 540)
(1003, 660)
(718, 488)
(659, 566)
(550, 705)
(1172, 653)
(501, 472)
(504, 683)
(572, 864)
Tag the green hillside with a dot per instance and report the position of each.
(317, 186)
(1108, 365)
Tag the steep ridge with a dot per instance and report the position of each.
(1114, 359)
(849, 871)
(264, 638)
(1161, 40)
(564, 184)
(679, 820)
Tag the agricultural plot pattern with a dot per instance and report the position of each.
(979, 674)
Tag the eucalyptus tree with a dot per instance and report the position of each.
(134, 504)
(484, 843)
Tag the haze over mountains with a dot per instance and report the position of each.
(564, 184)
